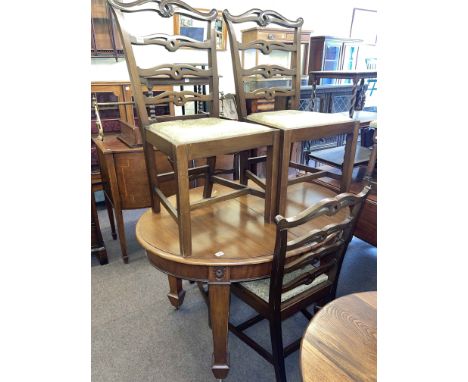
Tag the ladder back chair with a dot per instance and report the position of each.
(294, 125)
(189, 137)
(305, 270)
(333, 156)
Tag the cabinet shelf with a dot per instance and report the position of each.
(105, 41)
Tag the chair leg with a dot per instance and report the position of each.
(243, 166)
(282, 182)
(150, 159)
(208, 188)
(110, 213)
(277, 349)
(235, 166)
(271, 188)
(183, 201)
(348, 161)
(206, 298)
(372, 162)
(100, 252)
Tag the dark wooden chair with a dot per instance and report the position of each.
(334, 156)
(188, 138)
(305, 270)
(372, 164)
(294, 125)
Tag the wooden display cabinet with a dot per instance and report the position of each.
(333, 53)
(121, 168)
(105, 41)
(253, 57)
(116, 118)
(125, 179)
(107, 92)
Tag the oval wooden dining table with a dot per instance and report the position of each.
(340, 343)
(230, 243)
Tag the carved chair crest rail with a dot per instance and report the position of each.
(189, 137)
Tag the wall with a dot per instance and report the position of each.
(331, 17)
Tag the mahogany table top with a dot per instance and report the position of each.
(234, 227)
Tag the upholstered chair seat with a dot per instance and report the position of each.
(364, 117)
(204, 129)
(334, 156)
(296, 119)
(261, 288)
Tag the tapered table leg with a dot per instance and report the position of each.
(121, 230)
(219, 295)
(176, 292)
(114, 192)
(110, 213)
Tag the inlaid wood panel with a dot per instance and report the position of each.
(132, 180)
(130, 169)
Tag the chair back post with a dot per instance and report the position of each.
(168, 74)
(237, 66)
(324, 247)
(263, 19)
(295, 63)
(213, 64)
(277, 269)
(356, 210)
(131, 67)
(348, 158)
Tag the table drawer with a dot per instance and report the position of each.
(276, 36)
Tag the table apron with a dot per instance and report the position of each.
(196, 272)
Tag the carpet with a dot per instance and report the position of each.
(137, 336)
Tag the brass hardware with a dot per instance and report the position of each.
(98, 118)
(219, 273)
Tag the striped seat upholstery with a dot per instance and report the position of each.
(262, 287)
